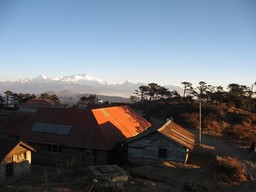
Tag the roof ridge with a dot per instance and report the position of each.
(164, 126)
(98, 128)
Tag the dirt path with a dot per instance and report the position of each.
(224, 147)
(234, 149)
(227, 147)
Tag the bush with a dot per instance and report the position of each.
(229, 170)
(239, 133)
(189, 120)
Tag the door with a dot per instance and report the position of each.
(9, 169)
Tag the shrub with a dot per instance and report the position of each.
(189, 120)
(229, 170)
(240, 133)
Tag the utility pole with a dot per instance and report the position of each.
(250, 107)
(200, 120)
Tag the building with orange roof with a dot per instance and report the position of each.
(73, 137)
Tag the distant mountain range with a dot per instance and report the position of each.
(74, 85)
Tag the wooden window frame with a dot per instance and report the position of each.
(54, 148)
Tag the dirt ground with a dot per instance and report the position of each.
(195, 176)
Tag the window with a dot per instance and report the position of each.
(162, 152)
(136, 147)
(54, 148)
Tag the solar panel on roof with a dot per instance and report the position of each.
(51, 128)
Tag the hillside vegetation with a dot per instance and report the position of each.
(218, 120)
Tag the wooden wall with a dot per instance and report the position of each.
(155, 147)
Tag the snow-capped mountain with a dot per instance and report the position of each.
(41, 78)
(79, 78)
(80, 83)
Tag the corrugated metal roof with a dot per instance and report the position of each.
(16, 123)
(178, 134)
(38, 102)
(97, 128)
(125, 119)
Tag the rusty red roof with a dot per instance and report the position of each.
(178, 134)
(128, 122)
(97, 128)
(38, 102)
(16, 123)
(172, 131)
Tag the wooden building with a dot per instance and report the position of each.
(171, 142)
(15, 159)
(73, 137)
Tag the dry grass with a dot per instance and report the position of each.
(167, 176)
(240, 133)
(222, 121)
(189, 119)
(207, 147)
(229, 170)
(143, 185)
(177, 165)
(46, 179)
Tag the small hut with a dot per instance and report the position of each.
(15, 159)
(170, 142)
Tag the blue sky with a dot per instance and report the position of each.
(161, 41)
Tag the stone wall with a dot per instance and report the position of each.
(66, 156)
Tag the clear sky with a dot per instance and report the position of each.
(161, 41)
